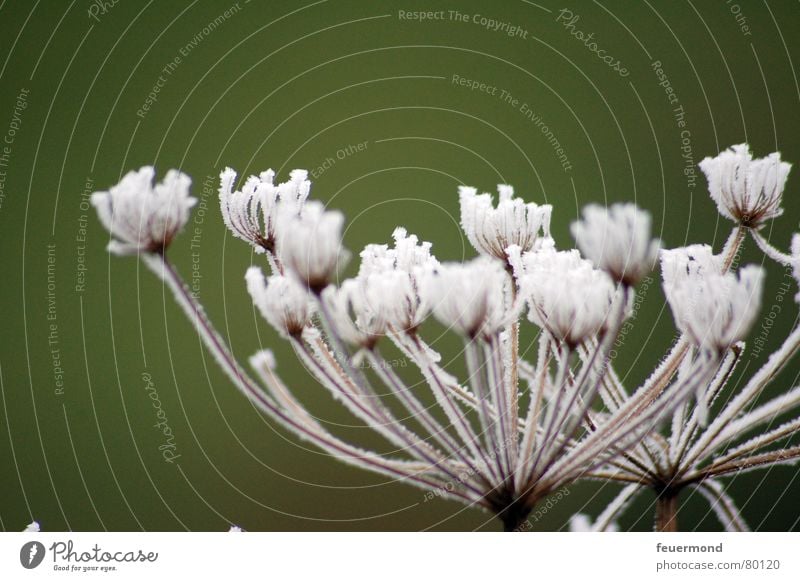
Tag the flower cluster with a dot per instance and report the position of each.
(510, 431)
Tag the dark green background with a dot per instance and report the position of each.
(286, 85)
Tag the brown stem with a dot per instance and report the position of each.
(514, 517)
(667, 512)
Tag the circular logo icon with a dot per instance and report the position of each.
(31, 554)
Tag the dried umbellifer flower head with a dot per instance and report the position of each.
(480, 445)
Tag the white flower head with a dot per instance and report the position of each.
(252, 213)
(32, 528)
(684, 262)
(282, 301)
(399, 271)
(746, 190)
(469, 297)
(491, 230)
(235, 529)
(617, 239)
(142, 217)
(387, 291)
(310, 245)
(566, 294)
(714, 310)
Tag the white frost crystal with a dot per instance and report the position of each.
(142, 217)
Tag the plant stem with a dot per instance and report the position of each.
(667, 512)
(514, 517)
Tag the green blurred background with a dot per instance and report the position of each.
(293, 84)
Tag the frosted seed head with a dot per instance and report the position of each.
(393, 277)
(678, 264)
(387, 291)
(617, 240)
(566, 294)
(713, 309)
(469, 297)
(746, 190)
(142, 217)
(281, 300)
(252, 213)
(492, 230)
(310, 245)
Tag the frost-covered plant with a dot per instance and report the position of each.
(511, 431)
(714, 308)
